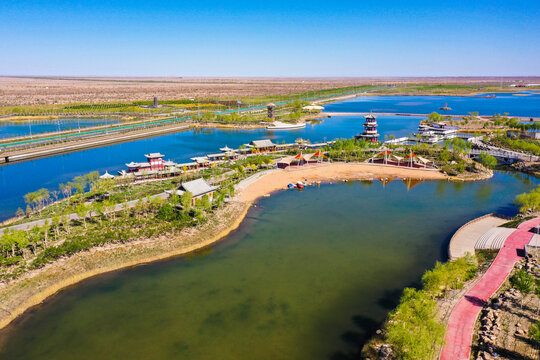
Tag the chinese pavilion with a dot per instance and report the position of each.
(370, 133)
(155, 162)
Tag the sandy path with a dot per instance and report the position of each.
(331, 172)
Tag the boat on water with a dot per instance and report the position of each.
(276, 125)
(445, 107)
(437, 129)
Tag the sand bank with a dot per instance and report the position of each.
(329, 173)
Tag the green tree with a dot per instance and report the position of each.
(34, 236)
(529, 201)
(80, 183)
(45, 232)
(205, 203)
(445, 155)
(19, 212)
(9, 242)
(166, 212)
(91, 177)
(435, 117)
(523, 282)
(412, 329)
(21, 240)
(99, 209)
(82, 211)
(102, 186)
(487, 160)
(186, 200)
(174, 199)
(30, 199)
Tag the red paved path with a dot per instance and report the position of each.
(461, 322)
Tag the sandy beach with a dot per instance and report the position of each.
(332, 172)
(34, 287)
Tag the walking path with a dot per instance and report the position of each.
(464, 240)
(460, 327)
(117, 207)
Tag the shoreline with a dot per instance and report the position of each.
(35, 287)
(335, 114)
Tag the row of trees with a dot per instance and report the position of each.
(37, 200)
(412, 329)
(101, 222)
(526, 145)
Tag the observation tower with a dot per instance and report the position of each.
(370, 133)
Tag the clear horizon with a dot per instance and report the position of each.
(282, 39)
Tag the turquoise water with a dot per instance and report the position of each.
(309, 275)
(11, 129)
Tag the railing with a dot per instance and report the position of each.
(507, 154)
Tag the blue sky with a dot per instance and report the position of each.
(279, 38)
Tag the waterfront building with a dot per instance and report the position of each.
(201, 160)
(156, 161)
(439, 129)
(198, 188)
(370, 133)
(262, 145)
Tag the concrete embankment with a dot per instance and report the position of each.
(62, 148)
(465, 238)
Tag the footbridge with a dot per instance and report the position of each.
(506, 156)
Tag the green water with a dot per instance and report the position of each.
(307, 276)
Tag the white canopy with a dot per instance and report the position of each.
(106, 176)
(425, 161)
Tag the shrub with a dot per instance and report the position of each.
(166, 212)
(450, 275)
(529, 201)
(412, 329)
(445, 155)
(487, 160)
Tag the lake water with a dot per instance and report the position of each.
(522, 104)
(309, 275)
(18, 179)
(11, 129)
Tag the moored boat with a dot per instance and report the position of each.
(283, 126)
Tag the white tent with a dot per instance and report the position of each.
(106, 176)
